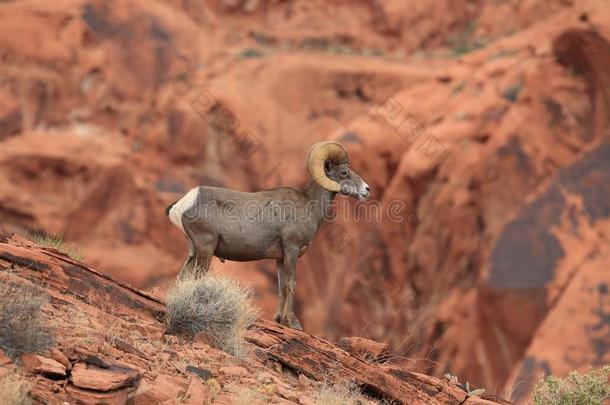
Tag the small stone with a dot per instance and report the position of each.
(96, 361)
(304, 400)
(304, 380)
(200, 372)
(103, 379)
(127, 347)
(288, 394)
(197, 393)
(4, 359)
(58, 356)
(163, 388)
(365, 349)
(261, 339)
(84, 396)
(235, 371)
(35, 364)
(145, 395)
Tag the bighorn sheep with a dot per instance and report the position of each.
(272, 224)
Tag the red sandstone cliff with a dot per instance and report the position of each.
(487, 121)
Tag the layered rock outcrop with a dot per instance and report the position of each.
(101, 363)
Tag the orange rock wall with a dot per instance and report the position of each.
(482, 131)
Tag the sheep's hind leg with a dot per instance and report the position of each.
(189, 263)
(204, 251)
(204, 245)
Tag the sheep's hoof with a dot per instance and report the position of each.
(291, 322)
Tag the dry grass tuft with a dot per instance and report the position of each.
(218, 308)
(247, 396)
(14, 391)
(591, 388)
(57, 242)
(342, 393)
(22, 328)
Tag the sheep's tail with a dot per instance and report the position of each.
(169, 207)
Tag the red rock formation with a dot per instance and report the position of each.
(482, 126)
(35, 364)
(365, 349)
(93, 377)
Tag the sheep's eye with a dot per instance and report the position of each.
(344, 173)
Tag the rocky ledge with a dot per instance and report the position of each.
(111, 347)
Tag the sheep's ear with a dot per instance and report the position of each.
(327, 166)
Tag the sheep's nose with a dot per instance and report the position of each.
(367, 190)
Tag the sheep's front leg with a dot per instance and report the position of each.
(287, 316)
(280, 288)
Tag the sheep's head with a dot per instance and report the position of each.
(328, 165)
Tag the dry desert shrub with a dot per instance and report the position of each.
(14, 391)
(57, 242)
(22, 326)
(218, 308)
(247, 396)
(591, 388)
(341, 393)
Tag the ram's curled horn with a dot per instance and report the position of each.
(318, 155)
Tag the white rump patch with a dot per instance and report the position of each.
(183, 204)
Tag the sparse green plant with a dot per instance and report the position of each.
(464, 42)
(505, 53)
(214, 387)
(471, 391)
(250, 53)
(14, 391)
(220, 309)
(57, 242)
(22, 328)
(262, 38)
(339, 393)
(181, 398)
(453, 379)
(474, 392)
(512, 93)
(458, 87)
(591, 388)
